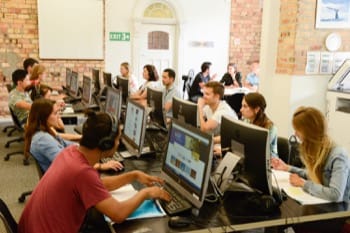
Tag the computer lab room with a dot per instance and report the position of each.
(174, 116)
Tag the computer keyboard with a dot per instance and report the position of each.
(177, 203)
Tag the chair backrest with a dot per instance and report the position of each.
(9, 87)
(235, 102)
(40, 171)
(283, 149)
(15, 120)
(7, 218)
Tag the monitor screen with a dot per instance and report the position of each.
(135, 124)
(74, 85)
(155, 100)
(107, 79)
(87, 87)
(113, 102)
(96, 80)
(185, 111)
(188, 160)
(68, 78)
(123, 85)
(252, 144)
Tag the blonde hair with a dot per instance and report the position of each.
(37, 70)
(316, 144)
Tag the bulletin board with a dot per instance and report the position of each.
(70, 29)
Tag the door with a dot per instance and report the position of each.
(157, 47)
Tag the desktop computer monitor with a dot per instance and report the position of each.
(135, 126)
(185, 111)
(123, 85)
(74, 85)
(155, 100)
(68, 78)
(87, 88)
(107, 79)
(96, 80)
(113, 102)
(252, 144)
(188, 160)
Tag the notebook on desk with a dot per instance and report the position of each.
(187, 165)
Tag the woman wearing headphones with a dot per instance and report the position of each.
(71, 186)
(42, 140)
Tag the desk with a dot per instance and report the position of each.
(231, 213)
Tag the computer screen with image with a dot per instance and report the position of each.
(113, 102)
(185, 111)
(155, 100)
(87, 87)
(188, 160)
(74, 85)
(252, 144)
(68, 78)
(123, 85)
(96, 81)
(134, 127)
(107, 79)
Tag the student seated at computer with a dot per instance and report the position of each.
(37, 78)
(253, 111)
(125, 72)
(42, 140)
(327, 165)
(211, 108)
(151, 77)
(19, 100)
(28, 64)
(71, 186)
(168, 80)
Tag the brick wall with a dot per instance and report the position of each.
(19, 40)
(246, 18)
(298, 35)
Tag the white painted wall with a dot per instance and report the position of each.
(197, 20)
(284, 93)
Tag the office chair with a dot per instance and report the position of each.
(283, 149)
(7, 218)
(40, 171)
(20, 128)
(12, 128)
(235, 102)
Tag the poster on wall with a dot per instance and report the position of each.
(312, 62)
(333, 14)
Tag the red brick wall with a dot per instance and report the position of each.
(246, 18)
(298, 35)
(19, 40)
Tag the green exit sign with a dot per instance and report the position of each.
(119, 36)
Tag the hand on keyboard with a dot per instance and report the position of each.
(112, 165)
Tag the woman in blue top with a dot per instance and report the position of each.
(41, 139)
(327, 166)
(253, 111)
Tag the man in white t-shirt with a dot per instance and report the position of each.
(211, 108)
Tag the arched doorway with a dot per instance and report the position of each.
(155, 38)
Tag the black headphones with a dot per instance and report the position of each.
(107, 142)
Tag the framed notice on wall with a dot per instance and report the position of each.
(70, 29)
(333, 14)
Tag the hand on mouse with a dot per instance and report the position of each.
(112, 164)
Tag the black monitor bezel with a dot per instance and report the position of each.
(189, 107)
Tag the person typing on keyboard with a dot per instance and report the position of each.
(71, 186)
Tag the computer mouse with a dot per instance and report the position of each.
(177, 222)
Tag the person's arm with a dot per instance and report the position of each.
(338, 172)
(23, 105)
(209, 124)
(111, 164)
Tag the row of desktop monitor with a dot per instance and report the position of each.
(189, 170)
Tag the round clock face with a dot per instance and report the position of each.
(333, 42)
